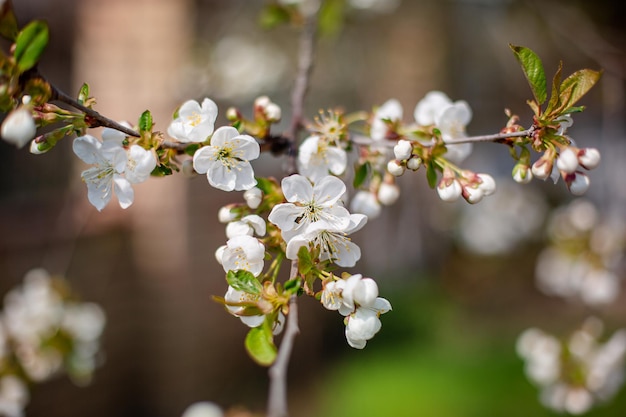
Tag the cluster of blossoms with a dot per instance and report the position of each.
(44, 330)
(357, 299)
(584, 256)
(312, 219)
(435, 139)
(561, 159)
(576, 374)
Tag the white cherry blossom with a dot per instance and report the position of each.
(106, 174)
(390, 110)
(248, 225)
(235, 296)
(317, 158)
(364, 323)
(243, 253)
(226, 162)
(195, 122)
(334, 244)
(309, 203)
(366, 202)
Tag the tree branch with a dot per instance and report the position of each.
(277, 402)
(94, 118)
(305, 65)
(362, 140)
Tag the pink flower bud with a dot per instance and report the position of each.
(542, 169)
(567, 161)
(472, 194)
(578, 183)
(487, 185)
(589, 158)
(449, 190)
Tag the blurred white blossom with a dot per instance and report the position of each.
(576, 374)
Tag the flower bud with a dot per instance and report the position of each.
(403, 150)
(414, 163)
(272, 112)
(395, 168)
(388, 193)
(19, 127)
(589, 158)
(39, 146)
(487, 185)
(567, 160)
(578, 183)
(449, 190)
(542, 168)
(522, 174)
(365, 202)
(473, 194)
(253, 197)
(262, 102)
(219, 252)
(226, 215)
(232, 114)
(187, 168)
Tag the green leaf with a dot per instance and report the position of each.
(293, 285)
(554, 96)
(260, 345)
(331, 17)
(191, 149)
(533, 70)
(265, 185)
(305, 263)
(83, 93)
(360, 174)
(161, 171)
(431, 175)
(577, 85)
(8, 23)
(145, 121)
(30, 44)
(273, 15)
(244, 281)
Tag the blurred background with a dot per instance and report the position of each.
(461, 283)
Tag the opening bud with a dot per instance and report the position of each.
(567, 160)
(19, 127)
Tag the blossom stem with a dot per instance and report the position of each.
(306, 54)
(277, 402)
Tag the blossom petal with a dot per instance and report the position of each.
(203, 158)
(87, 148)
(297, 188)
(124, 191)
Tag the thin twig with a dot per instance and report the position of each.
(96, 119)
(305, 65)
(363, 140)
(277, 401)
